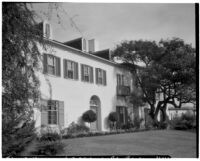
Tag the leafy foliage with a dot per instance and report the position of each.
(185, 122)
(89, 116)
(76, 128)
(169, 71)
(113, 117)
(17, 139)
(50, 137)
(20, 57)
(49, 148)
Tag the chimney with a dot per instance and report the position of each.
(92, 46)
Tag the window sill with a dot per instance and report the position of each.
(71, 79)
(101, 85)
(51, 75)
(87, 82)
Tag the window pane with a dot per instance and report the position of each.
(50, 60)
(86, 78)
(69, 65)
(100, 80)
(70, 74)
(86, 70)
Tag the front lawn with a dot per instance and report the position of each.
(179, 144)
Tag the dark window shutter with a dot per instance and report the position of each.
(97, 76)
(57, 66)
(44, 63)
(64, 68)
(76, 70)
(91, 75)
(122, 77)
(104, 77)
(44, 112)
(82, 74)
(118, 80)
(118, 114)
(126, 115)
(61, 113)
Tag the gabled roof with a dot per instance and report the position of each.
(55, 42)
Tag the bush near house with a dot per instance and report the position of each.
(184, 122)
(137, 121)
(113, 117)
(17, 139)
(76, 128)
(89, 116)
(48, 143)
(50, 137)
(128, 126)
(48, 148)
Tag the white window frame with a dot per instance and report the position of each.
(51, 65)
(86, 73)
(51, 110)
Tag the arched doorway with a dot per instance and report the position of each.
(95, 105)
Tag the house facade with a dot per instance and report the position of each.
(74, 78)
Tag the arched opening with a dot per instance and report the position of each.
(95, 105)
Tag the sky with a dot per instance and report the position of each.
(111, 23)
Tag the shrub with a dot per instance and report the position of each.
(13, 143)
(137, 121)
(113, 117)
(128, 126)
(185, 122)
(67, 136)
(48, 148)
(76, 128)
(89, 116)
(162, 125)
(50, 137)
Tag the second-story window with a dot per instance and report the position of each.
(70, 69)
(120, 80)
(51, 64)
(100, 76)
(86, 73)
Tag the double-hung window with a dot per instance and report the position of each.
(86, 73)
(120, 80)
(100, 76)
(51, 61)
(70, 69)
(51, 64)
(53, 112)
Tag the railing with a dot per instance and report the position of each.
(123, 90)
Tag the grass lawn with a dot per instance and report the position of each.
(177, 144)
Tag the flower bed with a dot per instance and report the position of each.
(90, 134)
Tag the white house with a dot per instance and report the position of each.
(75, 78)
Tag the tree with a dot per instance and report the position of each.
(20, 57)
(169, 71)
(89, 116)
(113, 117)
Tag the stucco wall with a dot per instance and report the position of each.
(75, 93)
